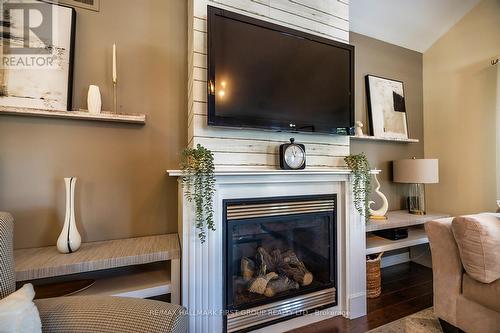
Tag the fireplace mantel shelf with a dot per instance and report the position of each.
(269, 172)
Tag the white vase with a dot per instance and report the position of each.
(94, 100)
(69, 240)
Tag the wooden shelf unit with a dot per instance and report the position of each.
(374, 138)
(133, 267)
(398, 219)
(401, 218)
(139, 119)
(137, 281)
(377, 244)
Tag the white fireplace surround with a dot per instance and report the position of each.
(246, 166)
(202, 271)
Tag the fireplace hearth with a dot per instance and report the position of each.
(279, 258)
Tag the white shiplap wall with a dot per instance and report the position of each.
(238, 147)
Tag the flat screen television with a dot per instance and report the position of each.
(266, 76)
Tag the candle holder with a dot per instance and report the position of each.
(114, 97)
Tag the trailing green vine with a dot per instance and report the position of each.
(198, 179)
(361, 183)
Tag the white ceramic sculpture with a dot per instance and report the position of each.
(378, 213)
(69, 240)
(359, 129)
(94, 100)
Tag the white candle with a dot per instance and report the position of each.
(114, 63)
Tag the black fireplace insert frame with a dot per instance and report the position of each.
(227, 249)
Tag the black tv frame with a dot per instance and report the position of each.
(274, 125)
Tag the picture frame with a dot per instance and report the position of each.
(386, 107)
(93, 5)
(39, 74)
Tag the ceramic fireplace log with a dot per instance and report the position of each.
(284, 263)
(259, 284)
(247, 268)
(296, 268)
(265, 262)
(280, 284)
(298, 274)
(290, 257)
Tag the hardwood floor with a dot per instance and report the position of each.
(406, 289)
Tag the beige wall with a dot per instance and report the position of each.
(122, 190)
(459, 117)
(498, 134)
(379, 58)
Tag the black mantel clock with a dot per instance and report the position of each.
(292, 156)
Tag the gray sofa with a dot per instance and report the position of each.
(77, 314)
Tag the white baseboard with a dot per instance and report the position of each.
(395, 259)
(357, 305)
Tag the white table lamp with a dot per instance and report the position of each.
(416, 172)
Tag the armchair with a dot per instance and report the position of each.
(461, 301)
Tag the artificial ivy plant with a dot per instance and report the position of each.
(361, 182)
(198, 179)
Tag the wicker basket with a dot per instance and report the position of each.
(373, 280)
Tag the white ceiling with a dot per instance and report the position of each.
(413, 24)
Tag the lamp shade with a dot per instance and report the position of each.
(416, 171)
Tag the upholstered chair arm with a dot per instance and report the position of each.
(7, 272)
(446, 269)
(106, 314)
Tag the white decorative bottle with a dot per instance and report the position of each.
(69, 240)
(378, 214)
(94, 100)
(358, 131)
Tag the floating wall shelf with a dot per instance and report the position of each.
(80, 115)
(375, 138)
(45, 262)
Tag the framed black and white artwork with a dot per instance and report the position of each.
(386, 107)
(37, 51)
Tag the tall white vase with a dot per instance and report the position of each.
(94, 102)
(69, 240)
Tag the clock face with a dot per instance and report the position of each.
(294, 156)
